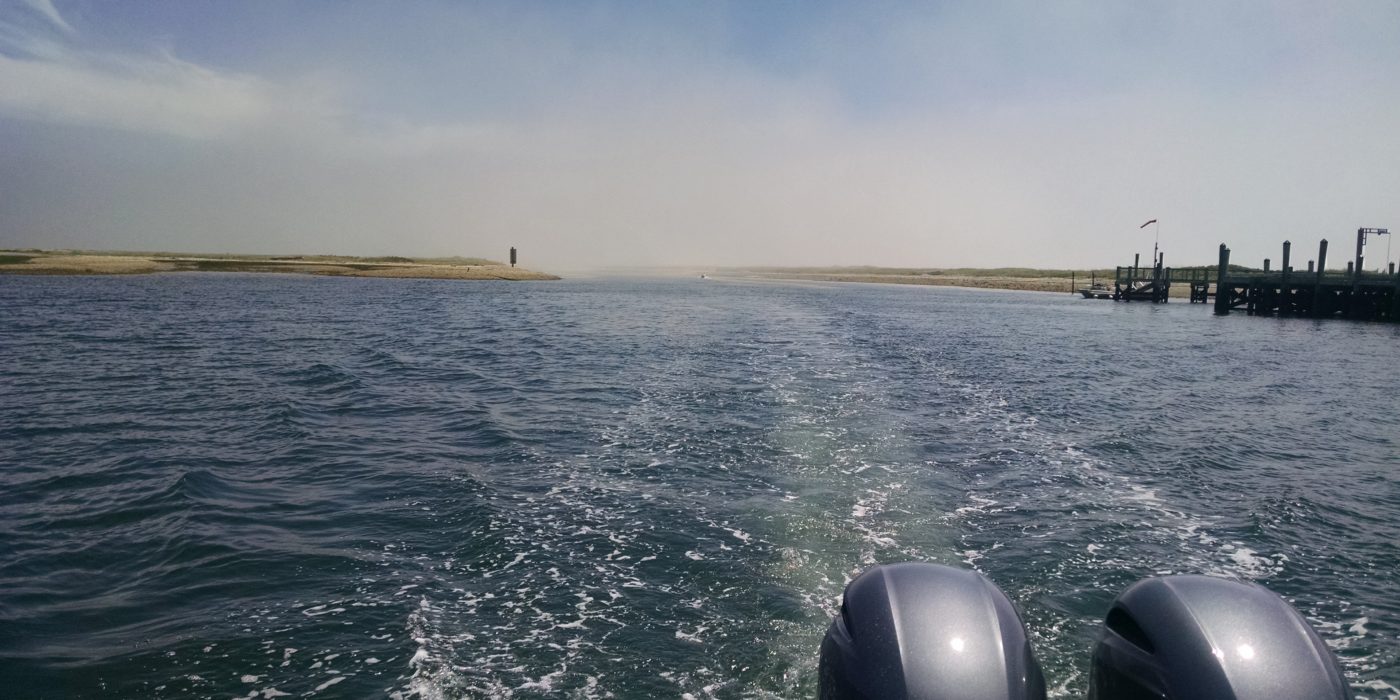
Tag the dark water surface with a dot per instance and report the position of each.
(230, 485)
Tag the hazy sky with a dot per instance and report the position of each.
(754, 132)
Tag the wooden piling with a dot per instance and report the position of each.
(1222, 293)
(1285, 301)
(1395, 295)
(1132, 275)
(1160, 280)
(1317, 300)
(1360, 250)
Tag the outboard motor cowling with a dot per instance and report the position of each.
(1202, 638)
(918, 630)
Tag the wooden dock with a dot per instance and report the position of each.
(1316, 293)
(1135, 283)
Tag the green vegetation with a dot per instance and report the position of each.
(231, 265)
(15, 259)
(456, 260)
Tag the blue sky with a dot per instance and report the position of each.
(929, 134)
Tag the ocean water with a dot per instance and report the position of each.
(222, 485)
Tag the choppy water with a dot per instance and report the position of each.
(224, 485)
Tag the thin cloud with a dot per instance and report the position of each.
(49, 78)
(49, 12)
(164, 96)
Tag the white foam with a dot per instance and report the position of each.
(1359, 627)
(1062, 690)
(329, 683)
(544, 683)
(1393, 693)
(1142, 493)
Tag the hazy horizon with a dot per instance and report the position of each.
(709, 134)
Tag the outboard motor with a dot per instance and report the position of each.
(1180, 637)
(927, 631)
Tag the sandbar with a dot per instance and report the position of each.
(36, 262)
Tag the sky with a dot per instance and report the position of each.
(759, 132)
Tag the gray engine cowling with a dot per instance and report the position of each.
(919, 630)
(1202, 638)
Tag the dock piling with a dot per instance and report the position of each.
(1317, 285)
(1360, 249)
(1222, 293)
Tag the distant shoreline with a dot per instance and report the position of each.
(1029, 284)
(41, 262)
(1028, 280)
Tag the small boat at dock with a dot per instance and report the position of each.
(1097, 290)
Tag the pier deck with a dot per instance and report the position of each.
(1316, 293)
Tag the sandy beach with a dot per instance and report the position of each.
(89, 263)
(1014, 279)
(1034, 284)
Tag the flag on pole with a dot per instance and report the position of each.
(1150, 222)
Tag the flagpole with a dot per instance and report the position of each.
(1156, 237)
